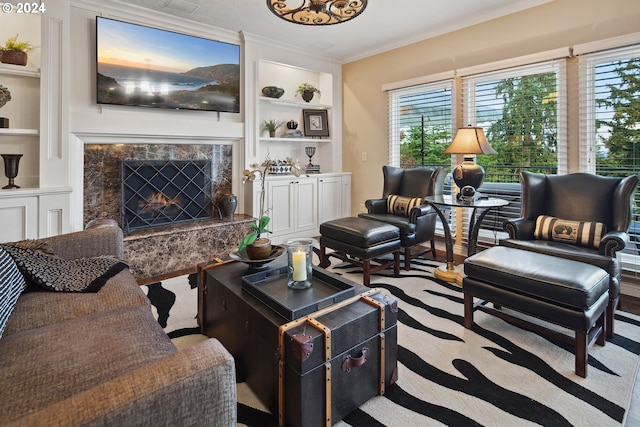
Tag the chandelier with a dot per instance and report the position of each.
(317, 12)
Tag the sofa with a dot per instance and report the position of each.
(101, 358)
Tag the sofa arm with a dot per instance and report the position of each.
(87, 243)
(376, 206)
(192, 387)
(613, 242)
(520, 229)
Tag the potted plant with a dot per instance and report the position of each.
(15, 52)
(307, 90)
(257, 246)
(271, 126)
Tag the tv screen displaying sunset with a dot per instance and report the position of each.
(144, 66)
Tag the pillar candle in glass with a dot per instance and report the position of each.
(299, 253)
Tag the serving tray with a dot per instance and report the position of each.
(270, 287)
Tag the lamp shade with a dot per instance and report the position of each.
(470, 140)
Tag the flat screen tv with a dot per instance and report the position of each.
(149, 67)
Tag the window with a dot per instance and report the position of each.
(522, 111)
(420, 123)
(610, 123)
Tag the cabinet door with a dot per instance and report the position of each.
(281, 202)
(306, 206)
(346, 195)
(330, 198)
(22, 214)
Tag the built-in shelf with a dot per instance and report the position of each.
(293, 103)
(18, 70)
(295, 140)
(17, 132)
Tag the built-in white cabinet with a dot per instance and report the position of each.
(298, 205)
(292, 203)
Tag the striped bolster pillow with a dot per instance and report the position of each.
(580, 233)
(398, 205)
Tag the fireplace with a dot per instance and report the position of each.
(160, 192)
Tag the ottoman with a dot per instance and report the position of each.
(360, 241)
(568, 293)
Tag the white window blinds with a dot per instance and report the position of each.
(420, 124)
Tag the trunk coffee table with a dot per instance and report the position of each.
(312, 370)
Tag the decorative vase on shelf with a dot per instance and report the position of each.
(15, 57)
(272, 91)
(228, 204)
(11, 162)
(307, 95)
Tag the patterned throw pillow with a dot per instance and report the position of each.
(12, 284)
(399, 205)
(580, 233)
(64, 275)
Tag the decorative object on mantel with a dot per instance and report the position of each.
(272, 91)
(5, 96)
(15, 52)
(228, 204)
(11, 162)
(282, 167)
(254, 245)
(311, 168)
(317, 12)
(306, 91)
(271, 126)
(292, 130)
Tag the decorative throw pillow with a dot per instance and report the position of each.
(12, 284)
(57, 274)
(399, 205)
(580, 233)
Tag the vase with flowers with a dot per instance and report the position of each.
(257, 246)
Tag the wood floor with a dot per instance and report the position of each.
(632, 305)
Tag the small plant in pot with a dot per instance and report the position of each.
(16, 52)
(271, 126)
(306, 91)
(257, 246)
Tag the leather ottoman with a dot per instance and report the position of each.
(567, 293)
(360, 241)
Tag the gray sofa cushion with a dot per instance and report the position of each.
(55, 362)
(12, 284)
(40, 308)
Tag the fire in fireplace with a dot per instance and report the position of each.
(160, 192)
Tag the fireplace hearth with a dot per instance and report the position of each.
(161, 192)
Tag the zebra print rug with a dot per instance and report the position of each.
(493, 375)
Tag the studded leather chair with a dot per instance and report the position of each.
(418, 224)
(582, 198)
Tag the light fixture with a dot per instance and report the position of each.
(469, 175)
(317, 12)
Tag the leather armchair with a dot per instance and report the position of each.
(577, 197)
(419, 226)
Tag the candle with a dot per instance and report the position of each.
(299, 265)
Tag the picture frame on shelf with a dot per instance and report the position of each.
(315, 123)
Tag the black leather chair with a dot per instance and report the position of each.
(419, 225)
(577, 197)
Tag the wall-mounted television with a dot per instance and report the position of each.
(143, 66)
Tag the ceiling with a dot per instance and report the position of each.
(384, 25)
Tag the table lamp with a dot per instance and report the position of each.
(469, 175)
